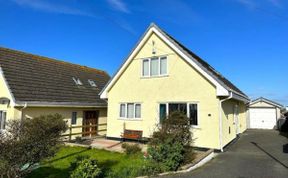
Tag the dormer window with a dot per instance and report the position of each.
(77, 81)
(92, 83)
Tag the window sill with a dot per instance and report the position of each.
(195, 126)
(156, 76)
(130, 119)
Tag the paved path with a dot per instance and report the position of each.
(257, 154)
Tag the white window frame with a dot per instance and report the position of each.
(2, 123)
(72, 117)
(126, 111)
(187, 108)
(149, 67)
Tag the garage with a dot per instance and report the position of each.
(263, 114)
(263, 118)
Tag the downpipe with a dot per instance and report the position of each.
(220, 120)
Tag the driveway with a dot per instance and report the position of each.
(257, 153)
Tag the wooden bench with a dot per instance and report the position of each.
(132, 134)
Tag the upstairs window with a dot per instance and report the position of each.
(92, 83)
(155, 66)
(77, 81)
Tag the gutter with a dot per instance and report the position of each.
(220, 119)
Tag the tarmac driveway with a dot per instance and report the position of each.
(257, 153)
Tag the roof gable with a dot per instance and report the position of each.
(265, 100)
(38, 79)
(223, 86)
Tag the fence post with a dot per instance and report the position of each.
(70, 132)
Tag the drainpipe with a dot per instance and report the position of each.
(220, 119)
(24, 107)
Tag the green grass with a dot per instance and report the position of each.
(110, 162)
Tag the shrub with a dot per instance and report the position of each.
(131, 148)
(167, 145)
(86, 168)
(29, 141)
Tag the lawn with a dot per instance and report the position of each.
(111, 162)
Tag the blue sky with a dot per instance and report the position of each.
(245, 40)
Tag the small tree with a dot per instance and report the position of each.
(168, 143)
(29, 141)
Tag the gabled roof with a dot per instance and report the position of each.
(44, 81)
(223, 85)
(261, 99)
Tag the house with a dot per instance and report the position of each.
(161, 76)
(264, 114)
(32, 85)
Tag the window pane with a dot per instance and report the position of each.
(154, 67)
(145, 67)
(122, 110)
(181, 107)
(163, 65)
(74, 118)
(162, 112)
(193, 114)
(138, 111)
(1, 119)
(130, 110)
(4, 119)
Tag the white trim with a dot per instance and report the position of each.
(220, 90)
(267, 101)
(126, 111)
(187, 108)
(149, 67)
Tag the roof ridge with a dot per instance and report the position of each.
(36, 56)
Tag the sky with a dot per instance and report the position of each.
(245, 40)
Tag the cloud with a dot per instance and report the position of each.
(119, 5)
(46, 6)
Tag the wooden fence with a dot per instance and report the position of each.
(89, 133)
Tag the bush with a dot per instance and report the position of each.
(167, 145)
(131, 148)
(29, 141)
(86, 168)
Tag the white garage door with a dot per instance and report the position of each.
(262, 118)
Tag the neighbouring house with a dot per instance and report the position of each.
(161, 76)
(264, 114)
(32, 85)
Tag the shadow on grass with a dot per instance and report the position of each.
(49, 172)
(66, 156)
(271, 156)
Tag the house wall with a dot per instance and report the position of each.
(229, 120)
(32, 112)
(183, 84)
(8, 107)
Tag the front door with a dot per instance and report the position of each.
(90, 122)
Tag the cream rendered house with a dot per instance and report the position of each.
(32, 85)
(160, 76)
